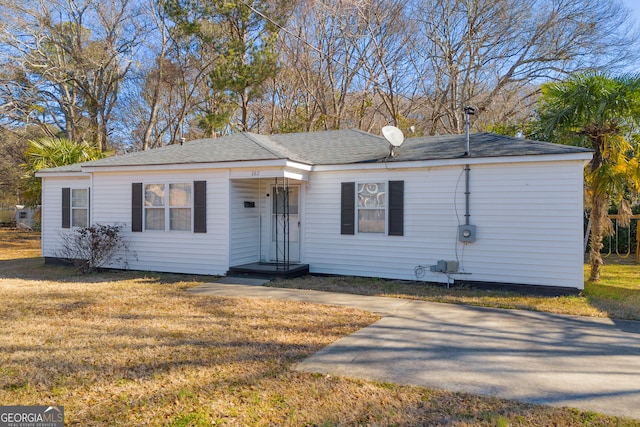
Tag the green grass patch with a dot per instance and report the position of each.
(192, 419)
(617, 293)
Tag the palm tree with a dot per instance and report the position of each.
(49, 153)
(600, 112)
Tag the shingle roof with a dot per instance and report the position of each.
(340, 147)
(480, 145)
(330, 148)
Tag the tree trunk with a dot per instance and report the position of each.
(598, 216)
(153, 116)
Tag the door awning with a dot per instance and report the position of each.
(256, 173)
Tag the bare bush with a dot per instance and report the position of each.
(90, 248)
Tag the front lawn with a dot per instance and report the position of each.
(135, 349)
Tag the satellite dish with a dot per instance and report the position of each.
(393, 135)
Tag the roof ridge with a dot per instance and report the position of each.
(517, 139)
(256, 139)
(356, 130)
(274, 147)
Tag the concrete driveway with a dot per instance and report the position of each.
(586, 363)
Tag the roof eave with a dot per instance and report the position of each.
(411, 164)
(60, 174)
(188, 166)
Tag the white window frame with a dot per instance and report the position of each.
(73, 208)
(370, 208)
(166, 207)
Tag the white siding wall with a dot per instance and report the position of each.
(245, 222)
(170, 251)
(528, 218)
(52, 210)
(530, 222)
(265, 219)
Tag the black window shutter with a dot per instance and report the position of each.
(136, 206)
(199, 206)
(396, 208)
(348, 208)
(66, 208)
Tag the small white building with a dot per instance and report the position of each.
(337, 202)
(26, 216)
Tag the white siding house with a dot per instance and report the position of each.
(351, 207)
(180, 251)
(52, 189)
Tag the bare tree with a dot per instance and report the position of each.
(476, 51)
(367, 62)
(72, 57)
(169, 68)
(150, 92)
(384, 45)
(322, 60)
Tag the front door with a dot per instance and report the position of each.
(285, 223)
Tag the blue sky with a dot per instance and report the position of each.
(634, 5)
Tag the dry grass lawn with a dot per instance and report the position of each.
(135, 349)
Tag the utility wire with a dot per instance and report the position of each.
(280, 27)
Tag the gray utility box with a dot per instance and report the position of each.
(445, 267)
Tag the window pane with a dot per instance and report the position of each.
(293, 200)
(180, 194)
(280, 196)
(180, 219)
(278, 228)
(278, 200)
(78, 217)
(154, 218)
(371, 195)
(154, 195)
(371, 207)
(371, 220)
(79, 198)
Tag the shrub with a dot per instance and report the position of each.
(89, 248)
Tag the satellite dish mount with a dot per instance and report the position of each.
(394, 136)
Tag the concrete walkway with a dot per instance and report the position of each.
(586, 363)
